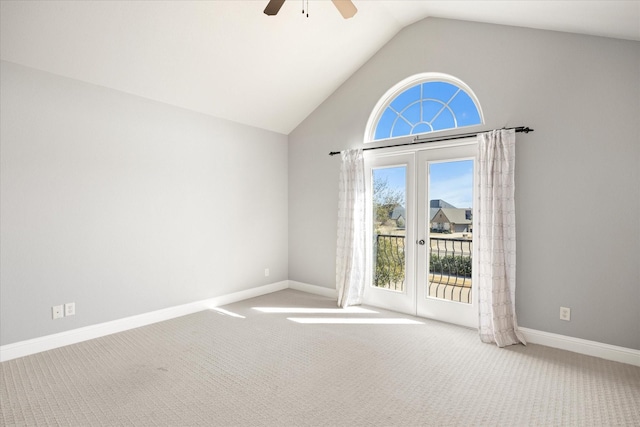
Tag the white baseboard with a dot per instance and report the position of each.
(313, 289)
(578, 345)
(49, 342)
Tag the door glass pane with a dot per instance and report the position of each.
(451, 230)
(389, 187)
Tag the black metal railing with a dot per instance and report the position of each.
(451, 257)
(450, 263)
(389, 262)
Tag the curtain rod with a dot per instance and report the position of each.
(416, 140)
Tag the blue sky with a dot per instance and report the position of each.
(449, 181)
(452, 182)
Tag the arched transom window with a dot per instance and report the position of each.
(422, 104)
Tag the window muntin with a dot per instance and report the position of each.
(422, 104)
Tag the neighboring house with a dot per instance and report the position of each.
(438, 203)
(454, 220)
(399, 215)
(446, 217)
(432, 213)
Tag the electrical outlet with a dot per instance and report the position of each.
(266, 272)
(70, 309)
(57, 312)
(565, 313)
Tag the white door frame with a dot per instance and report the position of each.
(414, 300)
(435, 308)
(390, 299)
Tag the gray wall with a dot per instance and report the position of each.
(124, 205)
(578, 169)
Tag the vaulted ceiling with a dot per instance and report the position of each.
(229, 60)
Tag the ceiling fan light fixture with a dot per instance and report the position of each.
(273, 7)
(346, 7)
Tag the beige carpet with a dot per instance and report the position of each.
(216, 369)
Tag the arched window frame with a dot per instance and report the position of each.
(405, 84)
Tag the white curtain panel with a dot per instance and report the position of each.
(497, 238)
(350, 255)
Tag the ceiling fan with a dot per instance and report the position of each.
(346, 8)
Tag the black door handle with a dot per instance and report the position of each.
(421, 242)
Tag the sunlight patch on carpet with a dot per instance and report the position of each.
(354, 321)
(302, 310)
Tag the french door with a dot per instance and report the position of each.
(421, 233)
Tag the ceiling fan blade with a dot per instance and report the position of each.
(346, 8)
(273, 7)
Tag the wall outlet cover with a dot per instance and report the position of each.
(57, 312)
(70, 309)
